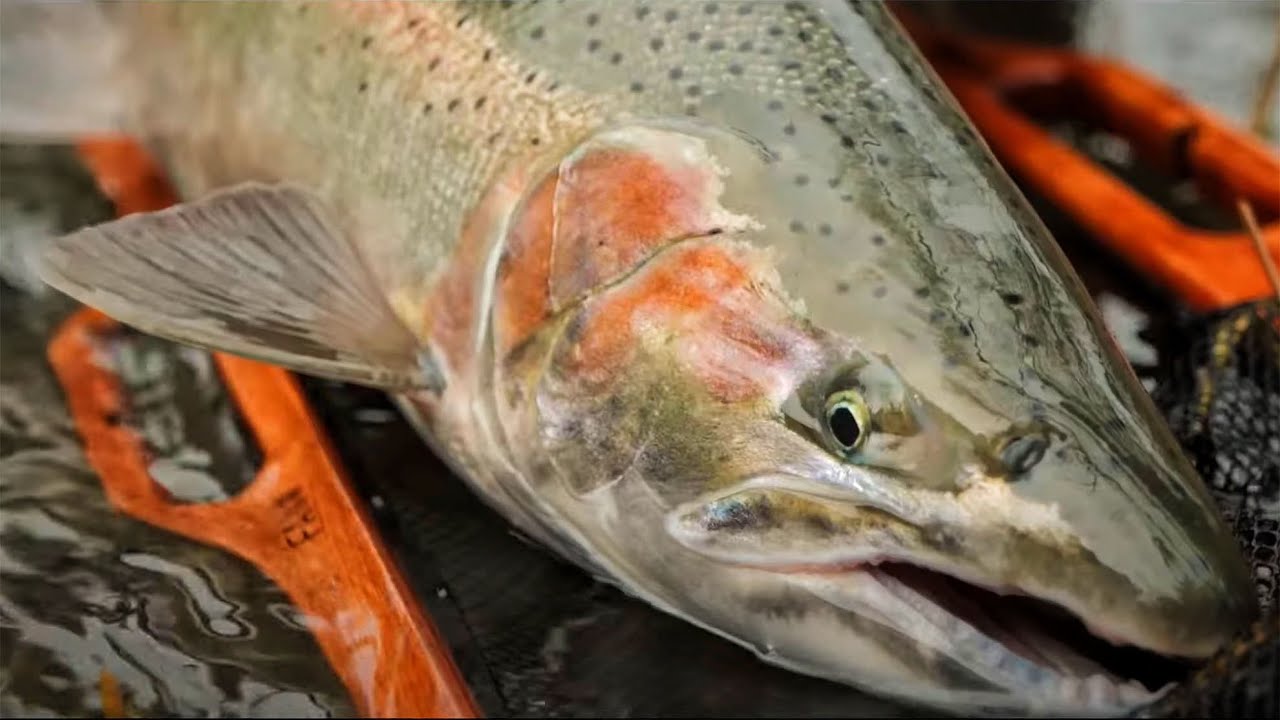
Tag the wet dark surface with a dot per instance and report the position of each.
(185, 629)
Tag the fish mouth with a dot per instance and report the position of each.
(1030, 646)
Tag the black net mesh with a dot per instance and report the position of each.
(1218, 384)
(1221, 395)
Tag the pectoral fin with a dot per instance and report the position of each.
(258, 271)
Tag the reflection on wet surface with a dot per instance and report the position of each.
(184, 629)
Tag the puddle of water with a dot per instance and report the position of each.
(185, 629)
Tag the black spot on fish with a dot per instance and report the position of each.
(1031, 340)
(775, 105)
(846, 141)
(937, 316)
(745, 46)
(453, 105)
(655, 44)
(693, 91)
(715, 45)
(480, 102)
(462, 20)
(847, 198)
(922, 292)
(804, 36)
(898, 127)
(791, 65)
(642, 13)
(593, 45)
(1012, 299)
(427, 108)
(493, 138)
(802, 180)
(824, 229)
(965, 331)
(592, 19)
(414, 23)
(735, 69)
(536, 33)
(615, 58)
(879, 291)
(637, 87)
(833, 182)
(535, 141)
(366, 42)
(711, 8)
(364, 85)
(797, 226)
(675, 73)
(670, 15)
(488, 53)
(528, 79)
(871, 105)
(842, 287)
(744, 9)
(963, 139)
(435, 63)
(877, 240)
(789, 129)
(810, 89)
(728, 515)
(828, 118)
(835, 73)
(694, 36)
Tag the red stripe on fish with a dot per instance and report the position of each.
(615, 206)
(451, 308)
(521, 298)
(713, 304)
(612, 204)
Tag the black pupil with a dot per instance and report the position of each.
(844, 426)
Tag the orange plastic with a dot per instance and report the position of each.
(300, 522)
(1207, 270)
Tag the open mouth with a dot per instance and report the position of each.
(1081, 666)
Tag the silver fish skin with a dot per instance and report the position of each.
(724, 301)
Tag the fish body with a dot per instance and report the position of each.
(724, 302)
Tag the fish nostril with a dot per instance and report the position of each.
(1021, 453)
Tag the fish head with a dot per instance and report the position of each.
(957, 498)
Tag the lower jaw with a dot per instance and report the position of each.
(1028, 648)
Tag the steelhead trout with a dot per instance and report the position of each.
(723, 301)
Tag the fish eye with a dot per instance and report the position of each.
(848, 421)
